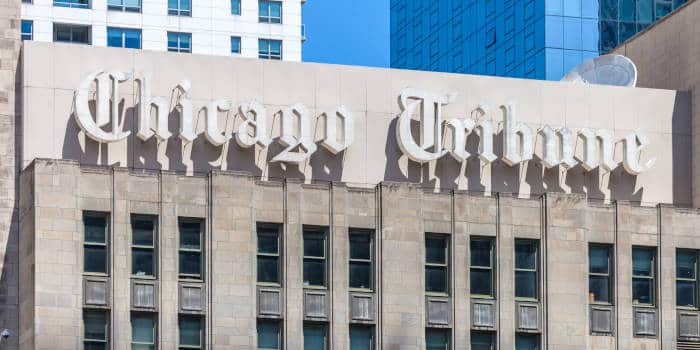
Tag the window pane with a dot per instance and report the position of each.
(262, 8)
(172, 43)
(599, 288)
(437, 339)
(314, 273)
(80, 34)
(480, 252)
(95, 346)
(95, 324)
(95, 227)
(185, 5)
(143, 328)
(598, 259)
(268, 335)
(275, 47)
(268, 243)
(189, 231)
(95, 259)
(526, 342)
(114, 37)
(132, 3)
(642, 262)
(142, 347)
(185, 42)
(235, 44)
(314, 245)
(276, 9)
(191, 263)
(268, 269)
(480, 282)
(132, 39)
(190, 331)
(236, 7)
(361, 338)
(525, 284)
(360, 275)
(314, 337)
(435, 279)
(142, 230)
(172, 4)
(685, 293)
(360, 246)
(642, 291)
(525, 255)
(436, 250)
(685, 264)
(142, 262)
(482, 341)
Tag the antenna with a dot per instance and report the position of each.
(615, 70)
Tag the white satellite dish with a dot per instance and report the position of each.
(616, 70)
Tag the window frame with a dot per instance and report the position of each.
(22, 33)
(490, 334)
(268, 55)
(137, 247)
(269, 19)
(610, 275)
(536, 336)
(106, 245)
(446, 265)
(179, 42)
(124, 8)
(72, 4)
(152, 316)
(72, 28)
(693, 280)
(321, 325)
(491, 268)
(447, 331)
(654, 273)
(535, 270)
(240, 44)
(280, 332)
(202, 236)
(122, 32)
(179, 11)
(369, 327)
(236, 13)
(202, 333)
(316, 231)
(267, 230)
(106, 314)
(369, 234)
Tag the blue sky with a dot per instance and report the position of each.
(354, 32)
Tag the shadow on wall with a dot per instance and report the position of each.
(682, 149)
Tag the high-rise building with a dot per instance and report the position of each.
(539, 39)
(268, 29)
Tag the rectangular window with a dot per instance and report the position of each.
(80, 4)
(269, 255)
(526, 267)
(361, 262)
(191, 329)
(27, 30)
(361, 337)
(95, 329)
(179, 42)
(437, 339)
(235, 7)
(600, 275)
(96, 243)
(687, 278)
(315, 263)
(315, 336)
(483, 340)
(269, 11)
(269, 335)
(236, 44)
(68, 33)
(124, 5)
(482, 259)
(270, 49)
(527, 341)
(643, 276)
(180, 7)
(143, 246)
(144, 330)
(122, 37)
(437, 255)
(191, 252)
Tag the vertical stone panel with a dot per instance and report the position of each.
(27, 220)
(340, 253)
(121, 260)
(294, 302)
(169, 243)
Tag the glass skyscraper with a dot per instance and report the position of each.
(540, 39)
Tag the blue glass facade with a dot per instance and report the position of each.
(540, 39)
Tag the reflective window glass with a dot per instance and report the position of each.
(315, 337)
(191, 331)
(437, 339)
(482, 341)
(269, 334)
(686, 278)
(361, 337)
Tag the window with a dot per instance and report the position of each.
(269, 335)
(361, 259)
(236, 44)
(179, 7)
(191, 332)
(235, 7)
(269, 11)
(269, 255)
(95, 244)
(179, 42)
(315, 336)
(81, 4)
(361, 337)
(314, 258)
(27, 30)
(437, 339)
(686, 278)
(95, 329)
(526, 262)
(483, 340)
(144, 327)
(143, 246)
(600, 273)
(436, 263)
(127, 38)
(643, 275)
(270, 49)
(527, 342)
(482, 258)
(124, 5)
(191, 252)
(68, 33)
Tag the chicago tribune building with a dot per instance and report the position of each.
(155, 200)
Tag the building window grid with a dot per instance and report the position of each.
(478, 268)
(124, 5)
(27, 30)
(185, 249)
(312, 261)
(236, 7)
(235, 44)
(128, 38)
(95, 329)
(144, 338)
(79, 4)
(270, 11)
(270, 49)
(686, 275)
(640, 278)
(143, 249)
(180, 8)
(437, 266)
(362, 261)
(266, 255)
(69, 33)
(596, 276)
(179, 42)
(527, 269)
(93, 246)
